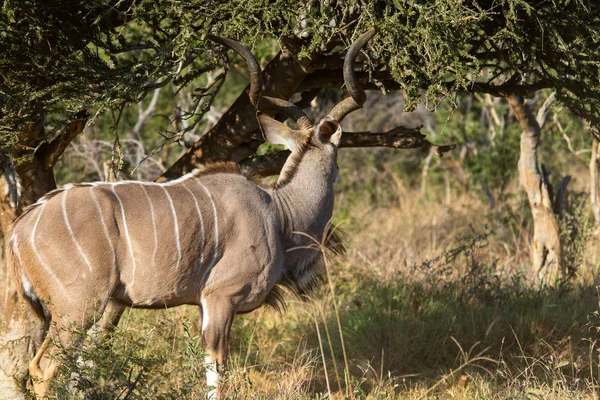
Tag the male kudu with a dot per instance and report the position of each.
(212, 238)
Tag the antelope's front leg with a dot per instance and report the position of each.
(217, 317)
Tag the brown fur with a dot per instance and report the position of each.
(40, 201)
(334, 244)
(219, 167)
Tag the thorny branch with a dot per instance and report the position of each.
(145, 114)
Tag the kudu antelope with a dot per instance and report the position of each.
(212, 238)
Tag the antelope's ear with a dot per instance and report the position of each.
(329, 131)
(277, 133)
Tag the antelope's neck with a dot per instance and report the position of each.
(305, 204)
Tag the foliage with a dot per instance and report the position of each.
(134, 363)
(63, 56)
(576, 231)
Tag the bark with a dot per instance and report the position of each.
(561, 194)
(547, 251)
(8, 192)
(399, 138)
(594, 181)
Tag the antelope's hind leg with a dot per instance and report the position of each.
(217, 316)
(111, 316)
(40, 378)
(37, 375)
(109, 320)
(62, 336)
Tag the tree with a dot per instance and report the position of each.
(544, 203)
(64, 63)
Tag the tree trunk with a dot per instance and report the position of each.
(14, 343)
(547, 252)
(594, 181)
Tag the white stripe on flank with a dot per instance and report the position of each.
(104, 227)
(126, 234)
(153, 225)
(25, 282)
(68, 225)
(27, 287)
(176, 226)
(216, 248)
(182, 178)
(37, 253)
(201, 224)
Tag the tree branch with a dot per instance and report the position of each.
(265, 165)
(525, 117)
(398, 138)
(506, 89)
(57, 146)
(144, 115)
(334, 79)
(544, 110)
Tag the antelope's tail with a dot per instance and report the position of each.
(23, 285)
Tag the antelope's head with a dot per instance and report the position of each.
(319, 142)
